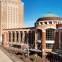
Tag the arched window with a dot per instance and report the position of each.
(45, 22)
(50, 34)
(50, 22)
(41, 23)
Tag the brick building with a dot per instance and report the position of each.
(45, 35)
(42, 36)
(58, 37)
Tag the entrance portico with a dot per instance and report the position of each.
(47, 37)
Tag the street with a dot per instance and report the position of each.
(4, 57)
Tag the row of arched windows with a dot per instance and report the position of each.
(48, 22)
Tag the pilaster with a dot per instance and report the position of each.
(43, 42)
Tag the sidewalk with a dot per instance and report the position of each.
(4, 57)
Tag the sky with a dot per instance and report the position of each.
(34, 9)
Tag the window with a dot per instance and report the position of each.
(50, 34)
(13, 36)
(9, 36)
(50, 22)
(17, 34)
(55, 22)
(41, 23)
(21, 34)
(25, 39)
(37, 24)
(45, 22)
(49, 46)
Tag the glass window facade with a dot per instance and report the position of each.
(49, 46)
(50, 34)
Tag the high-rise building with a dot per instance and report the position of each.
(11, 14)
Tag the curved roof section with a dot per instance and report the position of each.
(49, 16)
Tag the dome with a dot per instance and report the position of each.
(49, 14)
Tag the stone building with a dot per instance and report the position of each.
(11, 15)
(42, 36)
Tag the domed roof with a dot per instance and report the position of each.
(50, 14)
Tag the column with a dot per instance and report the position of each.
(35, 40)
(20, 36)
(59, 38)
(19, 39)
(15, 36)
(27, 37)
(43, 42)
(11, 37)
(23, 36)
(6, 39)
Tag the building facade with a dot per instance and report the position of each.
(11, 15)
(42, 36)
(58, 37)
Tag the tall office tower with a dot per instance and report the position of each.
(11, 14)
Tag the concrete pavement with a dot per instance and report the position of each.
(4, 57)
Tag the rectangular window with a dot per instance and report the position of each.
(41, 23)
(49, 46)
(50, 34)
(50, 22)
(21, 34)
(45, 22)
(17, 34)
(13, 36)
(9, 36)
